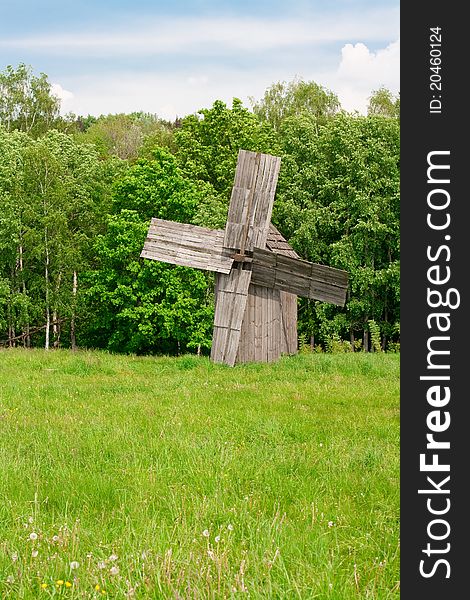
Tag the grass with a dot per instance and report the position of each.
(176, 478)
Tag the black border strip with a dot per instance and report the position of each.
(424, 132)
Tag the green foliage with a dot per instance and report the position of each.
(26, 102)
(335, 345)
(73, 214)
(338, 203)
(146, 306)
(126, 136)
(375, 335)
(383, 103)
(208, 143)
(53, 193)
(283, 100)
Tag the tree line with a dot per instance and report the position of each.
(77, 195)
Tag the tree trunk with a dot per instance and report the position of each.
(352, 338)
(48, 312)
(55, 316)
(27, 337)
(312, 342)
(366, 340)
(73, 339)
(55, 329)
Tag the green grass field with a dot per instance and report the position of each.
(142, 477)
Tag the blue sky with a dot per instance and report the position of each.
(173, 58)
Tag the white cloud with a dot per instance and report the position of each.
(362, 71)
(359, 71)
(61, 93)
(169, 96)
(198, 80)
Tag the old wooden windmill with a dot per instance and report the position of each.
(258, 275)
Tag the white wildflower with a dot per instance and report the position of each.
(74, 565)
(33, 536)
(101, 565)
(205, 533)
(10, 579)
(217, 539)
(14, 557)
(230, 527)
(34, 553)
(113, 558)
(330, 523)
(114, 570)
(55, 538)
(30, 520)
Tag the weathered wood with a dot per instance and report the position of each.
(299, 277)
(252, 201)
(262, 338)
(232, 292)
(258, 275)
(278, 244)
(289, 342)
(187, 245)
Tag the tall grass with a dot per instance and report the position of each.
(141, 477)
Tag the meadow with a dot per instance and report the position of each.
(159, 477)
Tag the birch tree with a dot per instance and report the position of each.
(26, 101)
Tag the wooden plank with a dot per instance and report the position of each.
(187, 245)
(300, 277)
(252, 201)
(232, 293)
(247, 336)
(269, 333)
(264, 323)
(289, 322)
(277, 334)
(257, 348)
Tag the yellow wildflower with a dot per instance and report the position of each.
(68, 584)
(60, 582)
(97, 587)
(44, 586)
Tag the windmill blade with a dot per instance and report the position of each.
(231, 295)
(247, 225)
(252, 200)
(187, 245)
(299, 277)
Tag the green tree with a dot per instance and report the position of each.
(140, 305)
(282, 100)
(53, 194)
(208, 143)
(15, 304)
(126, 136)
(26, 101)
(383, 103)
(339, 205)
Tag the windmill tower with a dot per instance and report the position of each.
(258, 275)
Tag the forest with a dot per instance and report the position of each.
(77, 194)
